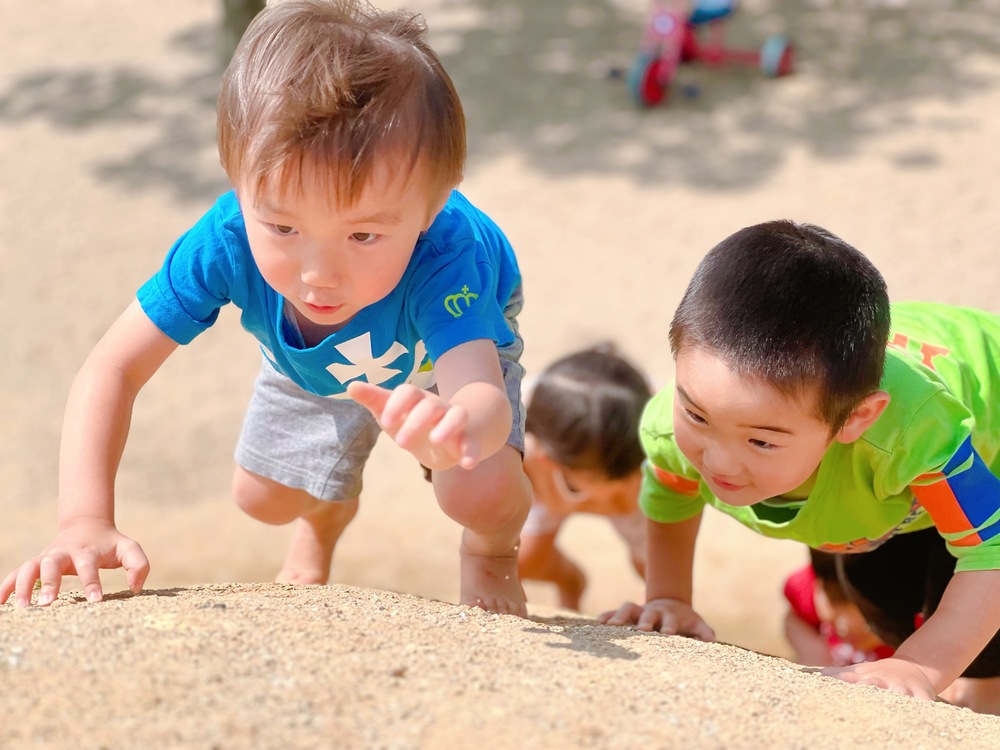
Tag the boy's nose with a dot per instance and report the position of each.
(719, 461)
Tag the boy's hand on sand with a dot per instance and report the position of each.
(893, 674)
(82, 549)
(422, 423)
(668, 616)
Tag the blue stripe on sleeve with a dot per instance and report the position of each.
(976, 489)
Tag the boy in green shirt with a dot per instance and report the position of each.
(791, 414)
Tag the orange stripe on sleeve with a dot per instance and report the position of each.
(939, 500)
(680, 485)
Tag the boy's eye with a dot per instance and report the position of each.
(696, 418)
(283, 229)
(762, 444)
(365, 238)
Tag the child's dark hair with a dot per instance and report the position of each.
(585, 411)
(795, 306)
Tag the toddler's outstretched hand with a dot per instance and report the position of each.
(421, 422)
(82, 549)
(669, 616)
(893, 674)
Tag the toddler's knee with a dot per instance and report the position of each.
(485, 499)
(264, 499)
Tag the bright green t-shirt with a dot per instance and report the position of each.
(931, 459)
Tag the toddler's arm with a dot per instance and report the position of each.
(669, 569)
(808, 643)
(95, 428)
(539, 559)
(467, 421)
(940, 650)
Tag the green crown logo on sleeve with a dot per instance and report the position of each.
(452, 302)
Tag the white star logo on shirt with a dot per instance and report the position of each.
(358, 352)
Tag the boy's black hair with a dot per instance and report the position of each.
(795, 306)
(585, 411)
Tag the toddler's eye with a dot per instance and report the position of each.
(762, 444)
(365, 238)
(283, 229)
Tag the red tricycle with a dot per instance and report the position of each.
(672, 37)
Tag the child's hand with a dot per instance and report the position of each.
(893, 674)
(669, 616)
(81, 550)
(422, 423)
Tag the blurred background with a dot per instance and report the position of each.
(887, 134)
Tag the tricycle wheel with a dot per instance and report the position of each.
(776, 57)
(644, 80)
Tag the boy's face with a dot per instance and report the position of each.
(330, 261)
(747, 440)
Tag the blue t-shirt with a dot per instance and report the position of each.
(454, 290)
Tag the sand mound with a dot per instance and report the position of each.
(274, 666)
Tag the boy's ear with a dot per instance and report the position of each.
(863, 417)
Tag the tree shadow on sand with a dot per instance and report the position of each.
(535, 80)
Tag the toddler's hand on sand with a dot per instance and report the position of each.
(668, 616)
(82, 549)
(422, 423)
(893, 674)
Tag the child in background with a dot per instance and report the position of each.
(822, 624)
(378, 295)
(795, 411)
(582, 455)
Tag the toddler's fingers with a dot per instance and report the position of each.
(420, 420)
(50, 572)
(470, 455)
(652, 620)
(136, 565)
(90, 579)
(703, 632)
(626, 614)
(369, 396)
(398, 405)
(450, 425)
(27, 574)
(7, 587)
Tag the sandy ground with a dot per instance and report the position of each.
(887, 135)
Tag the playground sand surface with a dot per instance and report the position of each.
(887, 135)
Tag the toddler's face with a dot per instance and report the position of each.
(847, 622)
(747, 440)
(601, 494)
(567, 490)
(330, 261)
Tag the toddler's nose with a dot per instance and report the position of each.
(321, 274)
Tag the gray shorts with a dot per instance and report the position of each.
(320, 444)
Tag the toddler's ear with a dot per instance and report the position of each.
(436, 209)
(863, 417)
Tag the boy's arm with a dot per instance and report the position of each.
(669, 583)
(939, 651)
(468, 420)
(960, 498)
(95, 427)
